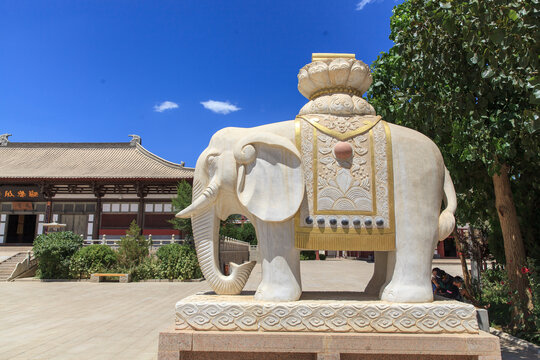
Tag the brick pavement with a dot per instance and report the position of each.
(82, 320)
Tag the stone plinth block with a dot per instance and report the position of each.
(323, 312)
(235, 345)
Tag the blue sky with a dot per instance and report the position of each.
(173, 72)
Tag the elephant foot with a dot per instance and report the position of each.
(279, 282)
(277, 292)
(407, 293)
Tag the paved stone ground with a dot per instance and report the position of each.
(7, 251)
(82, 320)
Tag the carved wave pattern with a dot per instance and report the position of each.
(357, 317)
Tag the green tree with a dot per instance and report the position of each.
(180, 202)
(133, 248)
(243, 232)
(465, 73)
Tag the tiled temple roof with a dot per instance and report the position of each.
(129, 160)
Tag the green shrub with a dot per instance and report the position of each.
(92, 259)
(178, 262)
(54, 252)
(147, 269)
(133, 248)
(495, 293)
(307, 255)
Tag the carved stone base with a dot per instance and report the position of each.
(323, 312)
(236, 345)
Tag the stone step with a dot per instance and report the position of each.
(7, 266)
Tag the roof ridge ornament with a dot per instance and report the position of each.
(4, 139)
(135, 139)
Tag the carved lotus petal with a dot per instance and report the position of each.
(331, 73)
(358, 76)
(344, 180)
(338, 71)
(318, 73)
(305, 85)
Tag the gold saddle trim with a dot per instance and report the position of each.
(369, 122)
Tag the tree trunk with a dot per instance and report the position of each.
(513, 248)
(459, 249)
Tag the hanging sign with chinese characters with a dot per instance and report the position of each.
(20, 193)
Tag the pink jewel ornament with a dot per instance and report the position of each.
(343, 150)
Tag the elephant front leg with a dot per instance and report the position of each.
(280, 262)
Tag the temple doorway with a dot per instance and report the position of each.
(21, 229)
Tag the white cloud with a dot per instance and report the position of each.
(166, 105)
(363, 3)
(220, 107)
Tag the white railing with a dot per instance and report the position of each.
(114, 243)
(23, 266)
(227, 243)
(233, 241)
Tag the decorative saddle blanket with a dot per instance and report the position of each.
(349, 201)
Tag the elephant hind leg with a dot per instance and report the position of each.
(410, 278)
(378, 280)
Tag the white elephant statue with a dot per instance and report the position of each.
(335, 178)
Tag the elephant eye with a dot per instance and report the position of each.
(211, 159)
(211, 163)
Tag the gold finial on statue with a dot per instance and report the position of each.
(324, 56)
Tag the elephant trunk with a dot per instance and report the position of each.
(206, 234)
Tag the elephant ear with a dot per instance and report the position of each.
(270, 181)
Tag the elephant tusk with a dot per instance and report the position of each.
(201, 203)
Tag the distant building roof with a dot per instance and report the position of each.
(128, 160)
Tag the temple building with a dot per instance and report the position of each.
(95, 189)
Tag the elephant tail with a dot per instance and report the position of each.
(446, 219)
